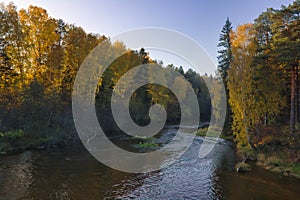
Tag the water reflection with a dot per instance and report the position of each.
(16, 176)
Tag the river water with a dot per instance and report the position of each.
(72, 173)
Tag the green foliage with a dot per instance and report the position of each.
(10, 140)
(225, 57)
(201, 132)
(296, 168)
(11, 135)
(148, 144)
(262, 75)
(208, 132)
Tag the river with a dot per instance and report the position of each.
(72, 173)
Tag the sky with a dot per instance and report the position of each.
(201, 20)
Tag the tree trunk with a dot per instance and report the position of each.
(293, 95)
(297, 96)
(266, 119)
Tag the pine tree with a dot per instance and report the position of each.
(285, 47)
(269, 76)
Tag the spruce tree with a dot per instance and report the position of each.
(225, 57)
(224, 62)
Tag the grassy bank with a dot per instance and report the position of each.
(277, 151)
(17, 141)
(146, 142)
(213, 132)
(279, 164)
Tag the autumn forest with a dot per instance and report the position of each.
(258, 63)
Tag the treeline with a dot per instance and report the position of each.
(39, 59)
(259, 63)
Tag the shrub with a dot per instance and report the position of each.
(242, 167)
(11, 136)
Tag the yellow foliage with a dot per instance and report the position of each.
(252, 93)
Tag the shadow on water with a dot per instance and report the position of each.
(72, 173)
(258, 184)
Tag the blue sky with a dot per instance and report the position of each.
(201, 20)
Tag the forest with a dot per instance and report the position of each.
(39, 59)
(258, 62)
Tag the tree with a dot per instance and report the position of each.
(225, 60)
(11, 41)
(240, 82)
(54, 70)
(10, 68)
(77, 44)
(40, 34)
(255, 87)
(225, 57)
(270, 81)
(285, 47)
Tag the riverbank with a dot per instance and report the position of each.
(278, 161)
(272, 164)
(34, 175)
(276, 155)
(214, 132)
(16, 141)
(280, 153)
(258, 183)
(279, 165)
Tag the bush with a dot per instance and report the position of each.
(11, 140)
(270, 160)
(245, 152)
(152, 144)
(242, 167)
(11, 136)
(275, 161)
(201, 132)
(211, 131)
